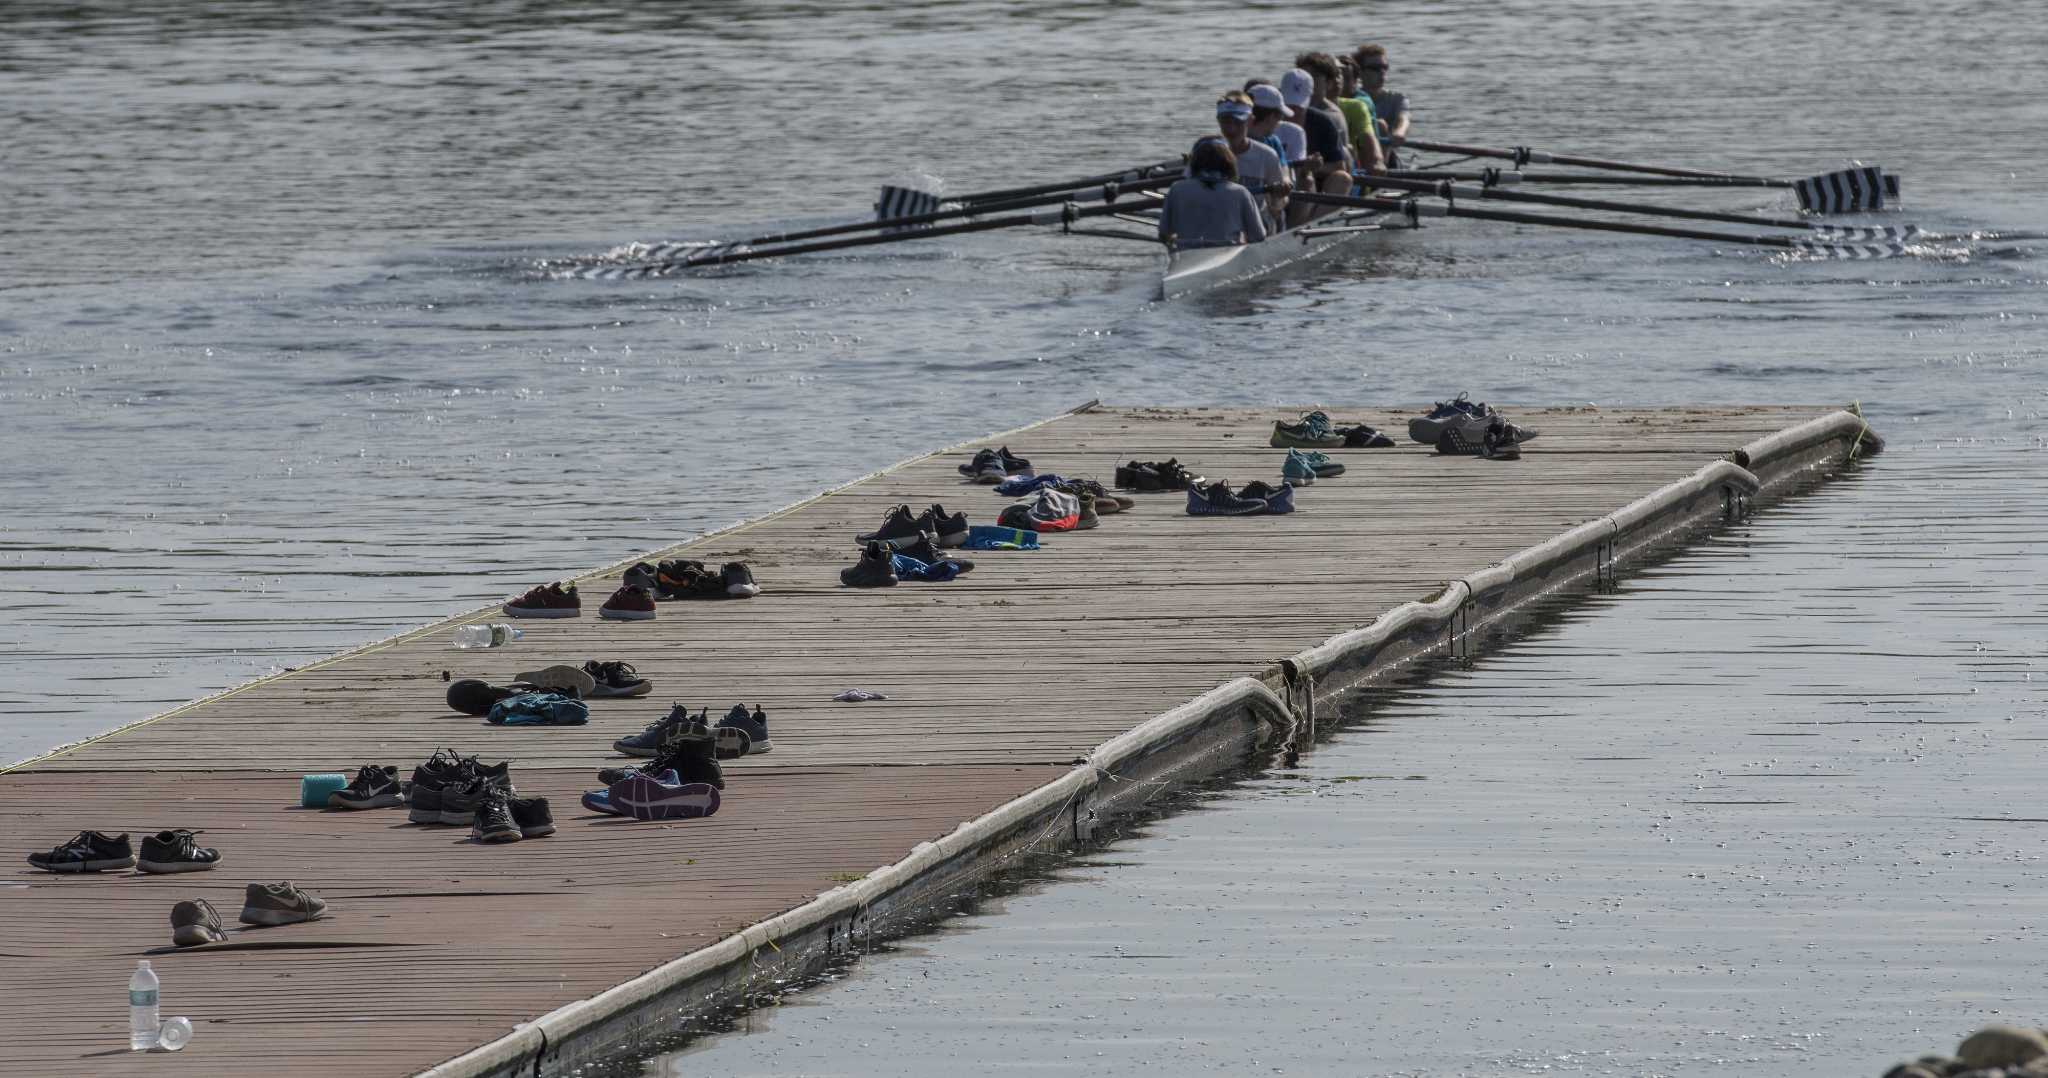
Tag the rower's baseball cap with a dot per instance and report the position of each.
(1235, 110)
(1297, 86)
(1268, 97)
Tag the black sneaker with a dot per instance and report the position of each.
(755, 726)
(616, 679)
(1364, 437)
(641, 575)
(90, 851)
(691, 751)
(874, 570)
(679, 579)
(926, 551)
(950, 528)
(375, 786)
(899, 528)
(532, 816)
(459, 804)
(492, 819)
(1012, 463)
(982, 458)
(738, 580)
(175, 851)
(473, 697)
(1138, 476)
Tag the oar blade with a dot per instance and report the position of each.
(904, 202)
(1849, 190)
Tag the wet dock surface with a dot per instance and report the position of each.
(998, 681)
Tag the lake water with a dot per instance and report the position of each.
(279, 375)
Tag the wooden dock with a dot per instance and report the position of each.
(998, 682)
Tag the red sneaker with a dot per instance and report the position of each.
(549, 601)
(630, 603)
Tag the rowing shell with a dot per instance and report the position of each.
(1196, 270)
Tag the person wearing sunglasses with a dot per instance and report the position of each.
(1390, 106)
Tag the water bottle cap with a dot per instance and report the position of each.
(144, 964)
(175, 1034)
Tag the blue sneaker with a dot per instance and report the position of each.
(1323, 466)
(601, 800)
(1278, 499)
(754, 727)
(650, 797)
(1297, 469)
(1216, 500)
(1459, 412)
(648, 742)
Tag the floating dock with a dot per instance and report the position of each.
(1030, 701)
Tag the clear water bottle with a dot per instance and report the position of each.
(142, 1020)
(486, 636)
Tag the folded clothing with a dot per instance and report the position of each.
(992, 537)
(909, 568)
(1025, 484)
(539, 709)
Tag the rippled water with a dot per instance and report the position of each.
(278, 376)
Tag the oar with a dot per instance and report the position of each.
(1108, 192)
(1523, 155)
(1451, 192)
(1415, 210)
(1065, 213)
(898, 201)
(1849, 190)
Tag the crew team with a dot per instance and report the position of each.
(1317, 130)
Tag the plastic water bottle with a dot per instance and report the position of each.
(486, 636)
(142, 1021)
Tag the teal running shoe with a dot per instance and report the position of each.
(1297, 469)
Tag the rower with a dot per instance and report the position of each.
(1270, 116)
(1390, 106)
(1329, 150)
(1258, 165)
(1208, 208)
(1358, 116)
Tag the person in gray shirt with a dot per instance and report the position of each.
(1208, 208)
(1391, 106)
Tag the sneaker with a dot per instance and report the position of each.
(1364, 437)
(90, 851)
(1174, 477)
(1296, 469)
(899, 528)
(646, 797)
(176, 851)
(1313, 431)
(628, 604)
(1322, 466)
(601, 801)
(678, 579)
(548, 601)
(1137, 476)
(493, 821)
(473, 697)
(755, 726)
(1278, 499)
(691, 755)
(738, 580)
(459, 803)
(649, 741)
(1216, 500)
(928, 552)
(615, 679)
(423, 794)
(1429, 429)
(375, 786)
(972, 468)
(532, 816)
(986, 468)
(874, 570)
(1503, 440)
(279, 904)
(195, 922)
(1013, 463)
(950, 528)
(561, 677)
(642, 575)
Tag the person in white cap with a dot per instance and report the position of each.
(1258, 165)
(1329, 153)
(1208, 208)
(1270, 125)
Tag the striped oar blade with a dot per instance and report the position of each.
(1865, 233)
(1849, 190)
(904, 202)
(1852, 252)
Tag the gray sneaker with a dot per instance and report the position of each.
(754, 726)
(459, 803)
(195, 922)
(279, 904)
(560, 676)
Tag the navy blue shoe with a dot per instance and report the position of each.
(1216, 500)
(648, 742)
(1278, 499)
(754, 726)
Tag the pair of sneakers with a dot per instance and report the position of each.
(95, 851)
(194, 922)
(901, 528)
(687, 578)
(1257, 497)
(447, 787)
(1166, 474)
(1304, 468)
(738, 733)
(995, 465)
